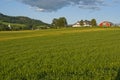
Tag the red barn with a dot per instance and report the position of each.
(105, 24)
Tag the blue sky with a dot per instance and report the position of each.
(73, 10)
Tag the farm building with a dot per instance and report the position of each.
(105, 24)
(86, 23)
(77, 24)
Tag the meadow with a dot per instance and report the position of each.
(60, 54)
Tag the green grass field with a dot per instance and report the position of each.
(60, 54)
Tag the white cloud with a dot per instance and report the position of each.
(40, 9)
(54, 5)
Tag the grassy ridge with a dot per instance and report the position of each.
(64, 54)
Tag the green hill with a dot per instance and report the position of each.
(19, 22)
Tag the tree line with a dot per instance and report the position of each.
(19, 23)
(62, 22)
(24, 23)
(59, 23)
(93, 22)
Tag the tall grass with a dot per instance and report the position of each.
(64, 54)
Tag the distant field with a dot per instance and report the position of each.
(12, 24)
(60, 54)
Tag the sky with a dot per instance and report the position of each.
(73, 10)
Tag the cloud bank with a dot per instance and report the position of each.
(54, 5)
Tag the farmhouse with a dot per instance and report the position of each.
(77, 24)
(105, 24)
(86, 23)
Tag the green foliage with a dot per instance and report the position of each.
(93, 22)
(81, 23)
(29, 23)
(42, 27)
(62, 54)
(58, 23)
(62, 22)
(54, 23)
(3, 27)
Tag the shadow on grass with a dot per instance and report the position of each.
(118, 75)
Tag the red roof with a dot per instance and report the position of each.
(105, 24)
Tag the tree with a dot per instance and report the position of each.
(93, 22)
(4, 27)
(55, 23)
(58, 23)
(62, 22)
(28, 23)
(81, 23)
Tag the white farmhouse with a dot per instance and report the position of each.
(77, 24)
(86, 23)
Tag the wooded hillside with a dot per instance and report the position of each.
(19, 22)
